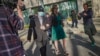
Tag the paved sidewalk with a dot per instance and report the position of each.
(78, 44)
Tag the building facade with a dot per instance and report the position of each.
(94, 4)
(96, 7)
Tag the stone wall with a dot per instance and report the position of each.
(96, 7)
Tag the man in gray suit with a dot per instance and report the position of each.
(41, 28)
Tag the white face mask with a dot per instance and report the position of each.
(41, 14)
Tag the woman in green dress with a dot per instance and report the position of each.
(57, 29)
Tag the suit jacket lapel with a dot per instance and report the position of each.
(37, 20)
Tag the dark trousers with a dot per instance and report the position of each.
(92, 39)
(30, 32)
(74, 22)
(43, 51)
(90, 30)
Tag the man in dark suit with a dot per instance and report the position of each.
(89, 27)
(40, 27)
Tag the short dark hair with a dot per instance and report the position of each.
(85, 4)
(40, 9)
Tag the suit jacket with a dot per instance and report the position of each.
(87, 20)
(41, 34)
(42, 37)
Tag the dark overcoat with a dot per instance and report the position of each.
(88, 22)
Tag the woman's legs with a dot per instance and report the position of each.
(56, 44)
(56, 47)
(64, 46)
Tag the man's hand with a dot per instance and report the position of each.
(42, 27)
(85, 14)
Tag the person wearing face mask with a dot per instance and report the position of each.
(41, 31)
(10, 23)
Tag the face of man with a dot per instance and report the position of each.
(85, 7)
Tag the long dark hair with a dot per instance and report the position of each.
(53, 7)
(53, 16)
(9, 3)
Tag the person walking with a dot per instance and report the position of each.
(89, 27)
(57, 30)
(41, 31)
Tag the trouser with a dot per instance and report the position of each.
(42, 47)
(43, 51)
(30, 31)
(74, 22)
(90, 31)
(92, 39)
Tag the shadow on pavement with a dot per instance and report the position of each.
(78, 40)
(25, 42)
(36, 52)
(74, 44)
(29, 51)
(23, 34)
(50, 51)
